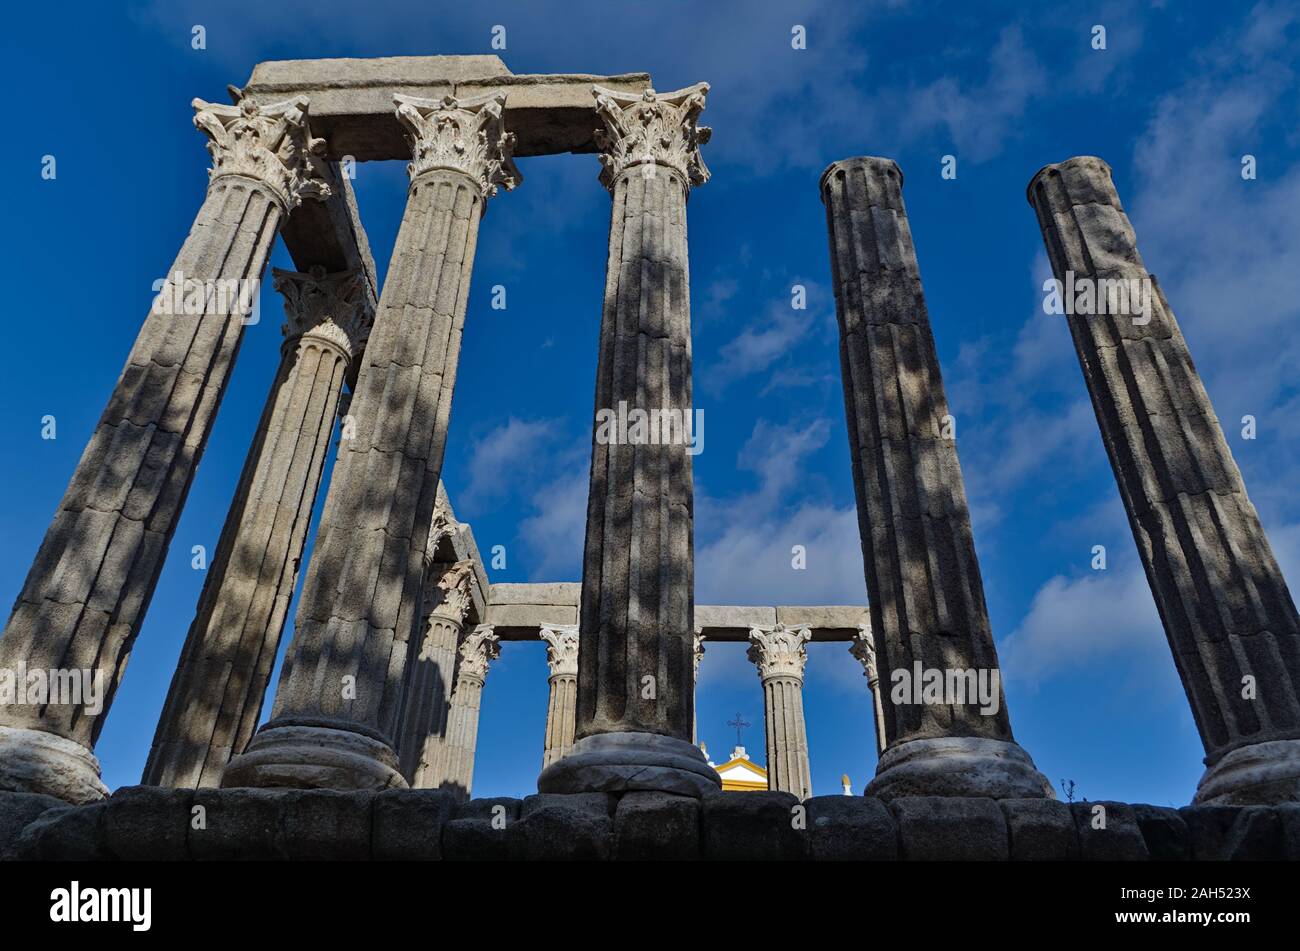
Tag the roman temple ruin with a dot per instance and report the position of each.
(373, 726)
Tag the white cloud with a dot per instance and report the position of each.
(499, 459)
(1102, 618)
(555, 533)
(743, 544)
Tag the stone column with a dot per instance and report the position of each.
(863, 649)
(87, 591)
(635, 669)
(423, 742)
(216, 694)
(780, 654)
(335, 718)
(928, 615)
(1226, 609)
(479, 648)
(562, 656)
(698, 655)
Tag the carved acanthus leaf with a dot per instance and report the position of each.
(479, 648)
(271, 144)
(779, 651)
(863, 648)
(652, 129)
(561, 648)
(333, 306)
(466, 135)
(455, 593)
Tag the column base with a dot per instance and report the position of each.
(627, 762)
(958, 766)
(314, 757)
(1261, 774)
(33, 761)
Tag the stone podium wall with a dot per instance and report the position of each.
(152, 823)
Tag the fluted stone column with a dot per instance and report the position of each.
(697, 656)
(216, 694)
(562, 657)
(780, 654)
(635, 691)
(923, 578)
(863, 648)
(478, 649)
(423, 743)
(1225, 607)
(335, 718)
(86, 594)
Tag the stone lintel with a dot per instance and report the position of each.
(518, 611)
(352, 99)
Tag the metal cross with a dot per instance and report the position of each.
(739, 723)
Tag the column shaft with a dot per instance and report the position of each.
(635, 683)
(562, 656)
(787, 737)
(780, 654)
(1225, 607)
(216, 694)
(923, 577)
(335, 719)
(86, 594)
(424, 741)
(477, 651)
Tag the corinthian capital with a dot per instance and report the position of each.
(779, 651)
(440, 526)
(330, 306)
(454, 591)
(479, 648)
(465, 135)
(652, 129)
(561, 649)
(864, 649)
(270, 144)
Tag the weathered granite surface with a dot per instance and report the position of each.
(1230, 619)
(147, 822)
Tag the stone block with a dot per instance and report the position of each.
(652, 826)
(942, 828)
(499, 807)
(559, 592)
(236, 825)
(1288, 816)
(149, 823)
(1234, 833)
(844, 828)
(69, 834)
(408, 824)
(19, 810)
(1041, 830)
(1164, 832)
(753, 826)
(601, 803)
(474, 840)
(565, 828)
(324, 825)
(478, 830)
(1108, 832)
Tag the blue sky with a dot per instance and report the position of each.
(1182, 91)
